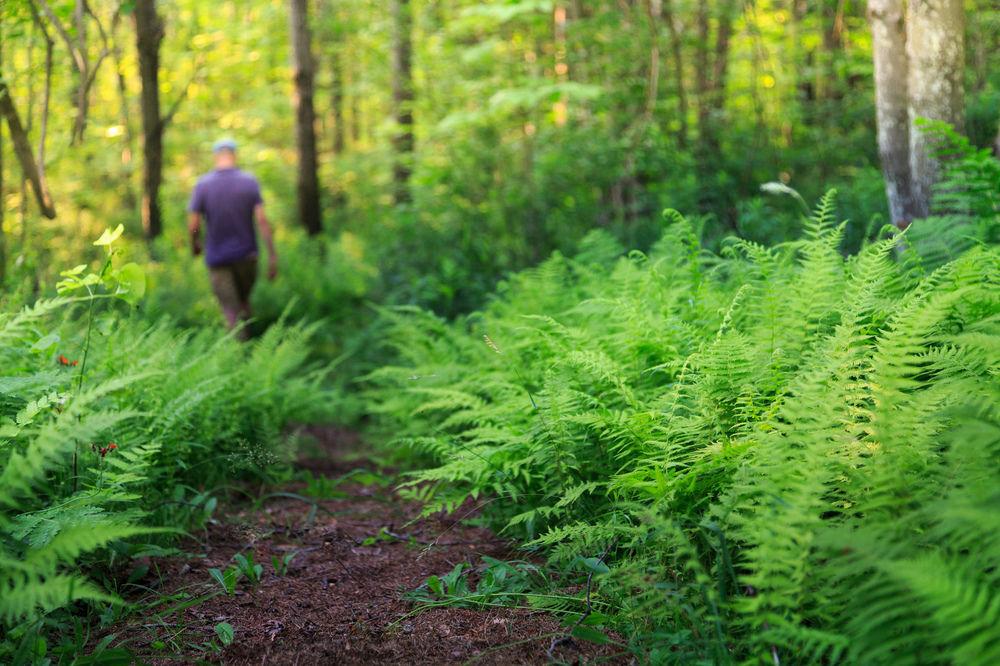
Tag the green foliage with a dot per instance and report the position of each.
(226, 579)
(791, 454)
(498, 583)
(281, 564)
(250, 569)
(225, 633)
(966, 202)
(111, 426)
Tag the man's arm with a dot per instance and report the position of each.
(194, 228)
(268, 236)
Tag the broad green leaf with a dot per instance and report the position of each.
(225, 632)
(595, 565)
(131, 283)
(591, 635)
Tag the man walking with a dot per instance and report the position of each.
(228, 201)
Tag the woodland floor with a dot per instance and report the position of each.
(341, 601)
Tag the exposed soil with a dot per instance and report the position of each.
(341, 600)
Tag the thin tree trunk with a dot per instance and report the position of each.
(720, 65)
(3, 206)
(654, 11)
(82, 87)
(3, 234)
(149, 35)
(337, 101)
(85, 68)
(305, 117)
(677, 57)
(712, 76)
(124, 117)
(935, 47)
(402, 100)
(889, 52)
(43, 127)
(22, 149)
(701, 67)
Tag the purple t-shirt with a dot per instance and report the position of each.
(226, 198)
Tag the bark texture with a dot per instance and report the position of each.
(22, 150)
(402, 99)
(891, 105)
(3, 207)
(305, 117)
(677, 64)
(935, 47)
(712, 73)
(86, 67)
(149, 35)
(337, 102)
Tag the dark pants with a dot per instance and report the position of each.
(232, 284)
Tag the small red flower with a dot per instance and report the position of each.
(65, 361)
(105, 450)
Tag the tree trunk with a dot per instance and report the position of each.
(22, 149)
(677, 57)
(712, 76)
(305, 117)
(86, 69)
(889, 52)
(3, 203)
(82, 88)
(720, 65)
(654, 11)
(149, 36)
(935, 47)
(701, 70)
(337, 101)
(402, 100)
(124, 117)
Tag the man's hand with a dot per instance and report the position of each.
(272, 267)
(194, 229)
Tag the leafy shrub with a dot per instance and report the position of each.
(792, 455)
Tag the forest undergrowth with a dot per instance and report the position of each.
(114, 433)
(772, 454)
(776, 454)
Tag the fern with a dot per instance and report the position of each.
(173, 404)
(786, 446)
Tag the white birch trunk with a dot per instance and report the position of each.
(891, 105)
(935, 47)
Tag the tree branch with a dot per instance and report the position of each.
(175, 107)
(47, 90)
(79, 59)
(22, 148)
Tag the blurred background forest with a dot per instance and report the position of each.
(754, 432)
(456, 141)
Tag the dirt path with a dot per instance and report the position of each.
(340, 601)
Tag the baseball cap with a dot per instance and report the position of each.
(224, 144)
